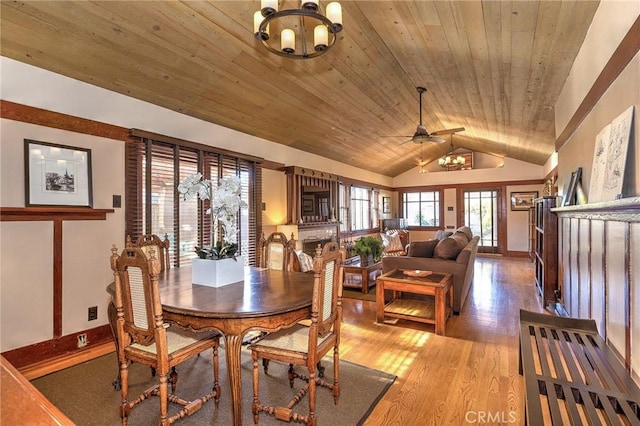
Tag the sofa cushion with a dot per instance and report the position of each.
(306, 261)
(422, 248)
(450, 247)
(466, 231)
(442, 234)
(462, 236)
(391, 241)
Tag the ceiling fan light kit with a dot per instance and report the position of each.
(452, 161)
(293, 24)
(422, 135)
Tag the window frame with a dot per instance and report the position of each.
(346, 207)
(208, 160)
(439, 209)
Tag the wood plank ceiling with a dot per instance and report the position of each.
(493, 67)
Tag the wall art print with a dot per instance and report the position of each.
(523, 200)
(57, 175)
(610, 157)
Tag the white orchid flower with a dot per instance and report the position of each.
(226, 201)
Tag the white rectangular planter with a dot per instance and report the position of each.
(217, 273)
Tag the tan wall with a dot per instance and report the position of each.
(274, 195)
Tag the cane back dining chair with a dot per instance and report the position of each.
(148, 241)
(144, 337)
(303, 345)
(145, 242)
(276, 252)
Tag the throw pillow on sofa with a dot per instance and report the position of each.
(462, 236)
(306, 261)
(466, 231)
(391, 241)
(422, 248)
(442, 234)
(450, 247)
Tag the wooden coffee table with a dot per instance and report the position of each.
(434, 310)
(353, 267)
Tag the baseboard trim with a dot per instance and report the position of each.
(53, 349)
(52, 365)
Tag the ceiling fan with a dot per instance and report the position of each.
(422, 135)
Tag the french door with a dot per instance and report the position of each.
(482, 215)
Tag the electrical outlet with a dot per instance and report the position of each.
(93, 313)
(82, 340)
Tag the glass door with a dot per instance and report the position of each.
(481, 215)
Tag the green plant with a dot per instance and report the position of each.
(369, 245)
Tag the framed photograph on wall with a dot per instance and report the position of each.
(523, 200)
(57, 175)
(386, 205)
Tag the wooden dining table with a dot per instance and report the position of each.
(266, 300)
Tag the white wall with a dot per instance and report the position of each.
(26, 257)
(596, 244)
(26, 274)
(611, 22)
(518, 220)
(28, 85)
(513, 170)
(609, 26)
(578, 150)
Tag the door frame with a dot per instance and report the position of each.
(501, 210)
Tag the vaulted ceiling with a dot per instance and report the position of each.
(493, 67)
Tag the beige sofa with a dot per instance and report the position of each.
(455, 254)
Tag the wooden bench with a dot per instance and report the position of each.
(571, 376)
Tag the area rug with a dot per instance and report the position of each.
(85, 393)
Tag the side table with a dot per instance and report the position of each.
(353, 267)
(430, 311)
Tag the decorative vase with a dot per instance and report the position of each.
(217, 273)
(366, 259)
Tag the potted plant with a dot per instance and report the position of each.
(218, 263)
(369, 248)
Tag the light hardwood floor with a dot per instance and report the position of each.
(469, 376)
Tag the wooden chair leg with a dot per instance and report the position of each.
(124, 389)
(291, 374)
(256, 375)
(173, 379)
(164, 403)
(312, 399)
(336, 375)
(216, 375)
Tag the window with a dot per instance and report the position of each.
(358, 208)
(153, 206)
(422, 208)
